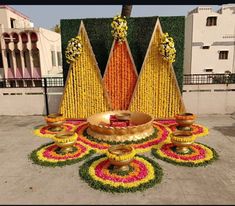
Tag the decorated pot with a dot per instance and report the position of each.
(121, 156)
(182, 140)
(65, 140)
(185, 120)
(55, 121)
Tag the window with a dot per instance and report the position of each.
(53, 58)
(211, 21)
(208, 70)
(36, 60)
(9, 59)
(18, 59)
(26, 58)
(223, 55)
(1, 62)
(205, 47)
(12, 23)
(59, 58)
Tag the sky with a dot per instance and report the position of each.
(47, 16)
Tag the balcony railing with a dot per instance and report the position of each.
(190, 79)
(31, 82)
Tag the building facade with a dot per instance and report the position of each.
(27, 51)
(210, 40)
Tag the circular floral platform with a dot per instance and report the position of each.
(44, 131)
(99, 174)
(49, 155)
(160, 135)
(199, 155)
(197, 130)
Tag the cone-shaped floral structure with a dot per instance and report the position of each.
(120, 76)
(84, 93)
(157, 92)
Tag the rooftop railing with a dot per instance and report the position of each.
(190, 79)
(31, 82)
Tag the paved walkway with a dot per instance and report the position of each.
(21, 182)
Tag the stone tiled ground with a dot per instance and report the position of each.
(22, 182)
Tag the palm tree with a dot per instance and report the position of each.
(126, 10)
(56, 28)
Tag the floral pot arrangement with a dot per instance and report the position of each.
(66, 141)
(182, 140)
(185, 120)
(55, 121)
(121, 156)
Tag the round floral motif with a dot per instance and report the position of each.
(144, 173)
(167, 48)
(162, 135)
(119, 28)
(165, 121)
(44, 131)
(69, 139)
(197, 130)
(74, 49)
(49, 155)
(54, 119)
(183, 138)
(199, 155)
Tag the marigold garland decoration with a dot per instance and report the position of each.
(161, 136)
(183, 139)
(144, 173)
(119, 28)
(70, 139)
(120, 76)
(157, 92)
(48, 155)
(167, 48)
(166, 122)
(200, 155)
(44, 131)
(84, 94)
(75, 121)
(74, 49)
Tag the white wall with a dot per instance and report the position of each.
(209, 99)
(48, 41)
(29, 101)
(198, 99)
(7, 12)
(219, 37)
(188, 44)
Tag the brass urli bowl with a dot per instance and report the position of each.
(66, 146)
(120, 150)
(141, 126)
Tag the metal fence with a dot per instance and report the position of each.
(32, 82)
(190, 79)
